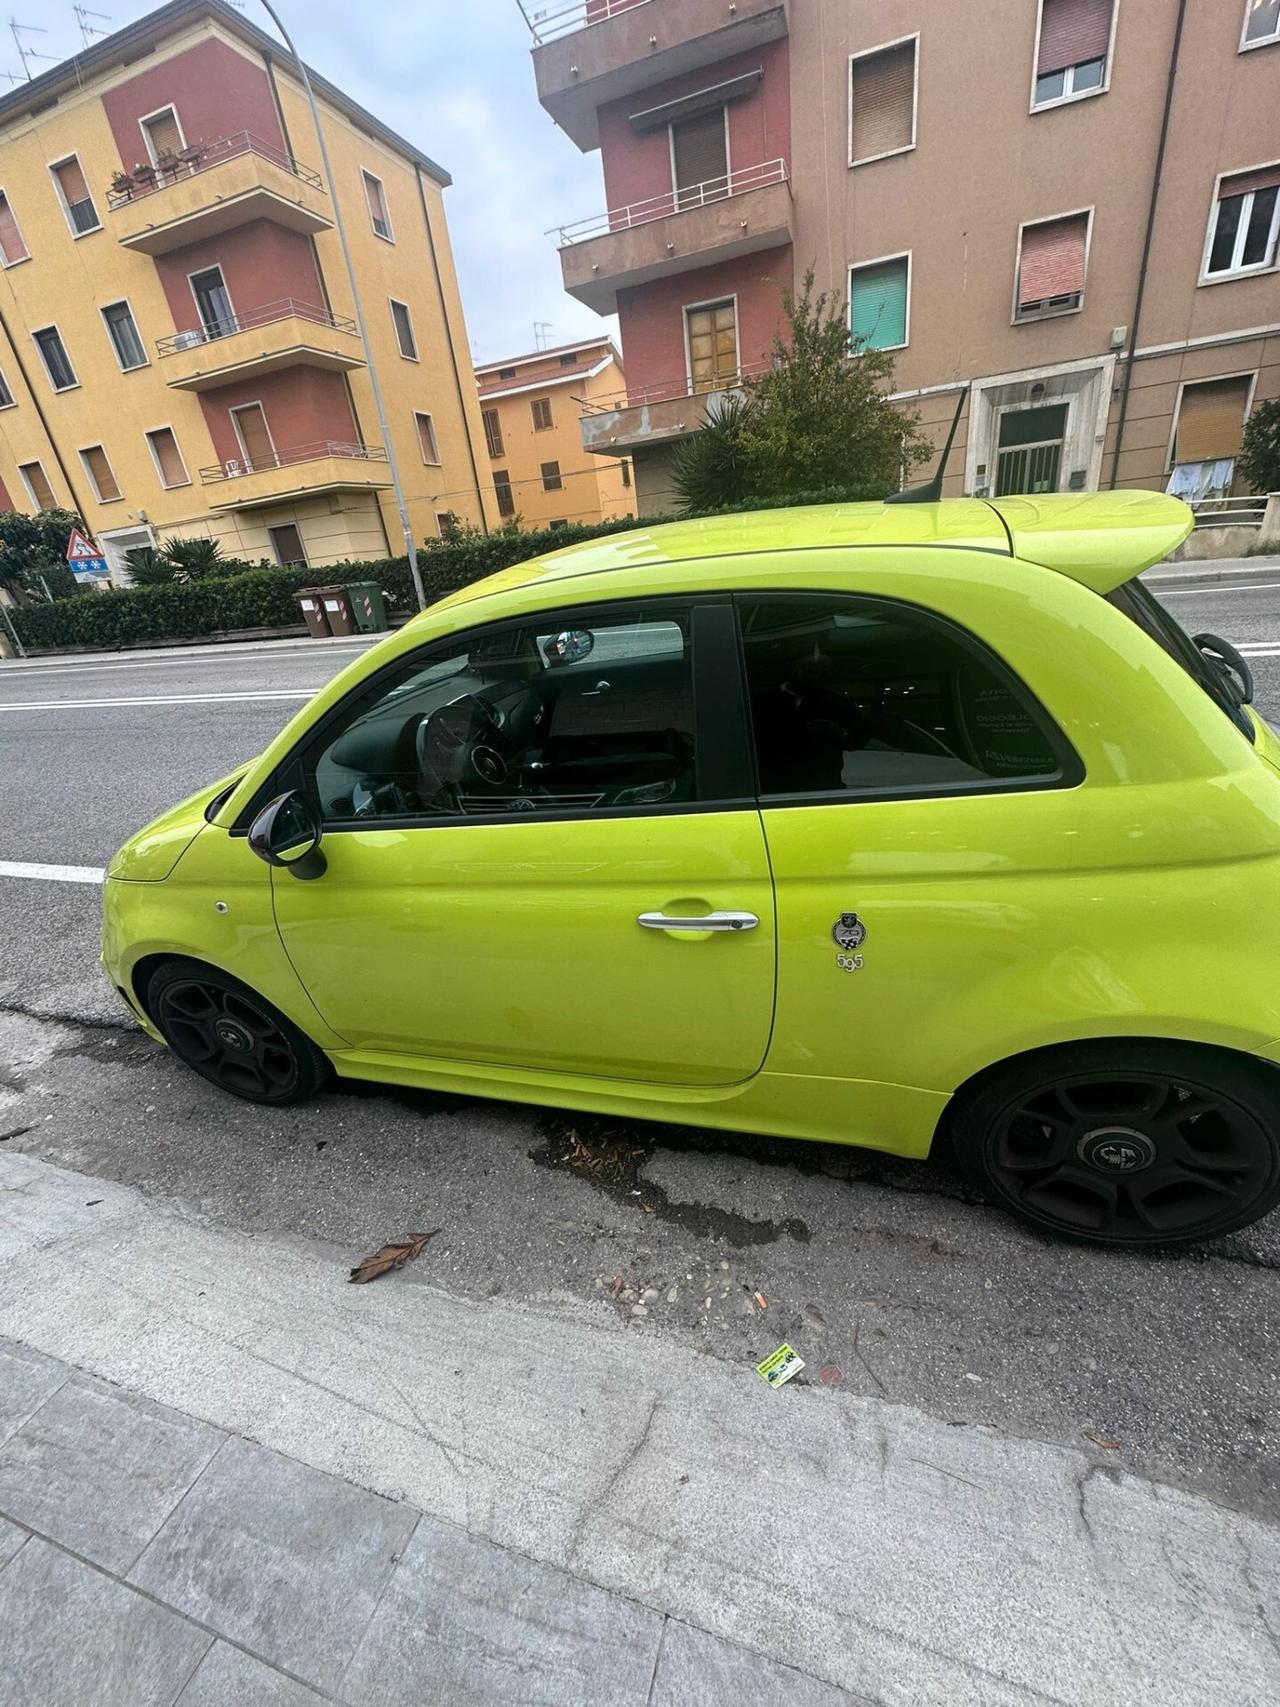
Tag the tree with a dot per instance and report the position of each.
(33, 550)
(819, 419)
(147, 568)
(194, 559)
(1259, 460)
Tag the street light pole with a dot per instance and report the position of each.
(355, 297)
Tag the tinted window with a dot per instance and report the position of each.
(1153, 619)
(854, 696)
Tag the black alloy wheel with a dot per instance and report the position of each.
(233, 1038)
(1147, 1144)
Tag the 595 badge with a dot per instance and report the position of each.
(849, 933)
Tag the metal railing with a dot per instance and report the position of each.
(735, 183)
(236, 467)
(564, 17)
(145, 180)
(671, 390)
(1230, 512)
(284, 308)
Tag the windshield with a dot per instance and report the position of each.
(1140, 606)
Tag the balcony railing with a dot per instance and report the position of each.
(283, 308)
(671, 390)
(1249, 512)
(735, 183)
(563, 17)
(129, 187)
(236, 467)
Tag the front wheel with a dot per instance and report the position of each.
(232, 1037)
(1137, 1144)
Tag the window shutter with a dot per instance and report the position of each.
(172, 472)
(1211, 420)
(100, 473)
(1266, 178)
(493, 432)
(883, 97)
(163, 131)
(502, 490)
(878, 305)
(1072, 31)
(39, 484)
(72, 179)
(427, 438)
(11, 245)
(252, 423)
(1052, 259)
(698, 151)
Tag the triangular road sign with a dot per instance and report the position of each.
(80, 545)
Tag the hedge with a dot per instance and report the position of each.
(264, 598)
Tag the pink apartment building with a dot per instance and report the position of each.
(1071, 205)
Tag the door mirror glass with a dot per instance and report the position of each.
(570, 646)
(286, 833)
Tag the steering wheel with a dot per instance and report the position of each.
(455, 745)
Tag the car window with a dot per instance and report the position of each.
(1143, 608)
(578, 712)
(867, 697)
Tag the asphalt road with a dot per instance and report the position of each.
(884, 1270)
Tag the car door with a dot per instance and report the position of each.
(525, 826)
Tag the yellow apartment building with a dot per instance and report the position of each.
(531, 406)
(178, 353)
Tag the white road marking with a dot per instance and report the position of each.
(161, 663)
(52, 873)
(1212, 590)
(159, 699)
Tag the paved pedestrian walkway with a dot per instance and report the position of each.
(147, 1558)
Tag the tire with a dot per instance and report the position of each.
(1141, 1144)
(233, 1037)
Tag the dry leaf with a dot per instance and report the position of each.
(390, 1256)
(830, 1375)
(1101, 1440)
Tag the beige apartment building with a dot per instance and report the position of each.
(540, 475)
(1071, 206)
(178, 348)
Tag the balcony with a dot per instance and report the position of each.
(211, 188)
(589, 52)
(676, 232)
(655, 414)
(305, 471)
(278, 335)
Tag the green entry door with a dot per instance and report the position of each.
(1030, 449)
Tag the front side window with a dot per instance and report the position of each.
(1245, 226)
(569, 712)
(122, 329)
(57, 363)
(866, 697)
(1144, 609)
(1075, 39)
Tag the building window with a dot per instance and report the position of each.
(506, 373)
(254, 437)
(882, 101)
(1051, 266)
(1207, 436)
(551, 481)
(700, 158)
(879, 293)
(6, 396)
(541, 411)
(626, 471)
(163, 136)
(122, 329)
(711, 334)
(1261, 23)
(376, 197)
(1245, 224)
(559, 524)
(73, 193)
(1075, 40)
(213, 302)
(286, 542)
(571, 360)
(427, 438)
(12, 246)
(502, 489)
(168, 458)
(37, 484)
(493, 432)
(446, 524)
(1029, 449)
(100, 475)
(404, 331)
(57, 363)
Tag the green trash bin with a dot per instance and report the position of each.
(367, 606)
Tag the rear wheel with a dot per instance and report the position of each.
(232, 1037)
(1136, 1144)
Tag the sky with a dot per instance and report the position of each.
(454, 77)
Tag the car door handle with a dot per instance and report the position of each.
(707, 922)
(599, 688)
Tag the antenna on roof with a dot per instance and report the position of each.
(931, 491)
(88, 30)
(17, 31)
(540, 330)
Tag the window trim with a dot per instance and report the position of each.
(880, 260)
(5, 265)
(1251, 374)
(1017, 318)
(6, 390)
(294, 563)
(199, 272)
(168, 107)
(66, 160)
(710, 302)
(420, 415)
(36, 462)
(366, 178)
(505, 515)
(497, 436)
(1071, 770)
(671, 160)
(162, 427)
(533, 415)
(1261, 268)
(82, 453)
(719, 700)
(234, 410)
(58, 390)
(1067, 100)
(869, 53)
(394, 302)
(1264, 41)
(124, 302)
(558, 476)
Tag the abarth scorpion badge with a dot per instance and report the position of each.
(849, 933)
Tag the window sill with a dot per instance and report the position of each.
(405, 358)
(1068, 100)
(882, 349)
(62, 390)
(118, 499)
(382, 236)
(889, 154)
(1039, 319)
(1240, 273)
(1267, 41)
(6, 265)
(176, 487)
(135, 367)
(91, 232)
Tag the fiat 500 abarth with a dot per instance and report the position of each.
(862, 823)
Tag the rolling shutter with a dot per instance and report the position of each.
(698, 153)
(38, 481)
(1211, 420)
(163, 132)
(878, 305)
(883, 99)
(72, 179)
(1071, 32)
(1052, 259)
(255, 438)
(95, 460)
(11, 245)
(1266, 178)
(172, 469)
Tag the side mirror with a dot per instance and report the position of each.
(570, 646)
(287, 833)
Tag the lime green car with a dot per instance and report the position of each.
(862, 823)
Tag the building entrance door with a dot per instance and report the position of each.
(1029, 457)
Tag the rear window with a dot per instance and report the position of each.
(1142, 607)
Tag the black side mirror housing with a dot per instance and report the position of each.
(286, 833)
